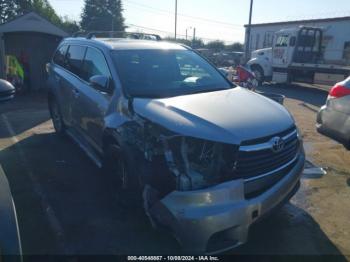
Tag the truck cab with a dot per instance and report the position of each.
(301, 45)
(292, 49)
(283, 48)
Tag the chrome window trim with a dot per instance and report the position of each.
(264, 146)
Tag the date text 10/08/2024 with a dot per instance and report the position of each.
(172, 258)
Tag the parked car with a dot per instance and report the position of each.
(208, 158)
(7, 90)
(10, 241)
(333, 119)
(226, 59)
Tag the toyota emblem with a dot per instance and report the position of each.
(277, 144)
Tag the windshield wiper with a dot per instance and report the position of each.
(208, 90)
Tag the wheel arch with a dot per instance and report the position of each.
(258, 66)
(110, 138)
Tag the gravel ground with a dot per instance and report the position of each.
(325, 198)
(66, 206)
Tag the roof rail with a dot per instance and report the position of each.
(117, 34)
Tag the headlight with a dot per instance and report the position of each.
(199, 163)
(299, 134)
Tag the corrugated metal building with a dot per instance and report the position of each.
(336, 40)
(32, 39)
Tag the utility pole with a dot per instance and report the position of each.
(194, 37)
(247, 43)
(187, 31)
(175, 19)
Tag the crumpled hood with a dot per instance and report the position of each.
(228, 116)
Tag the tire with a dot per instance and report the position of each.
(347, 145)
(56, 117)
(117, 165)
(259, 74)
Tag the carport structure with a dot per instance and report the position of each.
(32, 39)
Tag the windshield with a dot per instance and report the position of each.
(166, 73)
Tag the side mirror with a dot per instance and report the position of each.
(101, 83)
(7, 90)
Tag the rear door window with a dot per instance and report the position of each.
(60, 56)
(75, 56)
(94, 64)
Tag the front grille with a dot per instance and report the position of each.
(267, 138)
(255, 160)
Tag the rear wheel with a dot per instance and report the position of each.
(347, 145)
(56, 117)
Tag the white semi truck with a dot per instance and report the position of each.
(297, 55)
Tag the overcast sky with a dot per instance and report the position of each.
(213, 19)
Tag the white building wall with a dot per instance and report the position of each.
(336, 34)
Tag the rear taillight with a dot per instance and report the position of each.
(339, 91)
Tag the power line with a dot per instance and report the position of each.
(158, 10)
(184, 15)
(190, 19)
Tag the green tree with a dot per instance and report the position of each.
(102, 15)
(69, 25)
(197, 43)
(41, 7)
(7, 10)
(236, 47)
(178, 40)
(216, 45)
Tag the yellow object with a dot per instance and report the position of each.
(13, 67)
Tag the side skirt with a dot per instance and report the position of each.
(85, 147)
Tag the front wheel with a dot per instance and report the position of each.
(56, 117)
(122, 175)
(259, 74)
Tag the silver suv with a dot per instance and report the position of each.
(207, 158)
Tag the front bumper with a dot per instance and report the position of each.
(218, 219)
